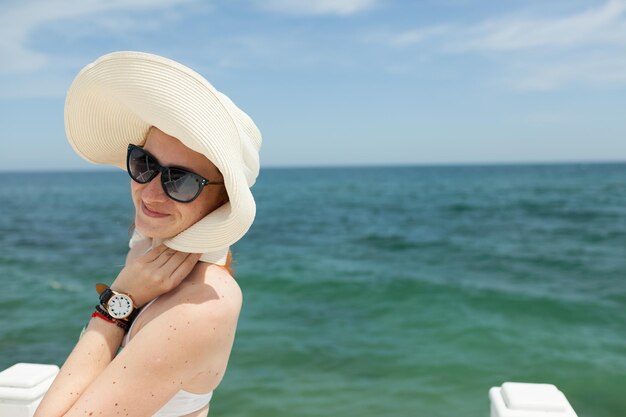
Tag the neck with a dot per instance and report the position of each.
(217, 257)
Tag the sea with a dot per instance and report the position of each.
(368, 291)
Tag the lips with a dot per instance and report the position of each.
(151, 213)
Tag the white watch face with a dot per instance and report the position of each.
(120, 306)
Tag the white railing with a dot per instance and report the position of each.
(22, 387)
(518, 399)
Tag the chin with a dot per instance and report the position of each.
(154, 231)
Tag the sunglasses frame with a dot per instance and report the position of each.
(165, 170)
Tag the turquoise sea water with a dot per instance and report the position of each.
(370, 291)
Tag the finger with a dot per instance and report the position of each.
(173, 261)
(153, 253)
(168, 270)
(185, 267)
(165, 257)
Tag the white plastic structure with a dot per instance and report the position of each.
(22, 387)
(519, 399)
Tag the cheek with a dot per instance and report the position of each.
(198, 213)
(196, 210)
(135, 192)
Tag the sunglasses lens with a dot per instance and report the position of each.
(141, 167)
(181, 185)
(178, 184)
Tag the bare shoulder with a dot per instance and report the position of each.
(213, 280)
(208, 291)
(196, 323)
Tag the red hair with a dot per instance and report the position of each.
(229, 263)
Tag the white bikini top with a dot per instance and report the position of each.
(183, 402)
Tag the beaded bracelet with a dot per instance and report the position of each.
(104, 315)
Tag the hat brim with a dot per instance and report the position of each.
(116, 99)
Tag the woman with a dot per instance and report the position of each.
(160, 336)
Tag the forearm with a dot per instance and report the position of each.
(94, 351)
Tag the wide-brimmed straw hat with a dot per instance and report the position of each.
(116, 99)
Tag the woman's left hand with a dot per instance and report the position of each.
(158, 271)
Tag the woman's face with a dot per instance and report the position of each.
(157, 215)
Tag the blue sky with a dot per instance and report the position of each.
(348, 82)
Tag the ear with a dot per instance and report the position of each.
(224, 198)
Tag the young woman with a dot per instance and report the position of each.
(160, 336)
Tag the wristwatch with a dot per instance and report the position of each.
(119, 305)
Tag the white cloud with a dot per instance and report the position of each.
(20, 19)
(604, 25)
(316, 7)
(598, 69)
(410, 37)
(539, 53)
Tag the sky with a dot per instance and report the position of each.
(352, 82)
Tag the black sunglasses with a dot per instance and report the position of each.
(178, 183)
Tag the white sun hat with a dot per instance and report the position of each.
(116, 99)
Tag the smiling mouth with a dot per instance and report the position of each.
(151, 213)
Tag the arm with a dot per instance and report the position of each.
(93, 352)
(169, 352)
(154, 273)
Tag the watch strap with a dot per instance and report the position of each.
(100, 287)
(105, 296)
(132, 316)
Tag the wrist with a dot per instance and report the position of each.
(102, 315)
(116, 306)
(137, 301)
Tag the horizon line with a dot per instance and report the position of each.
(365, 165)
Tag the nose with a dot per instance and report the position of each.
(153, 191)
